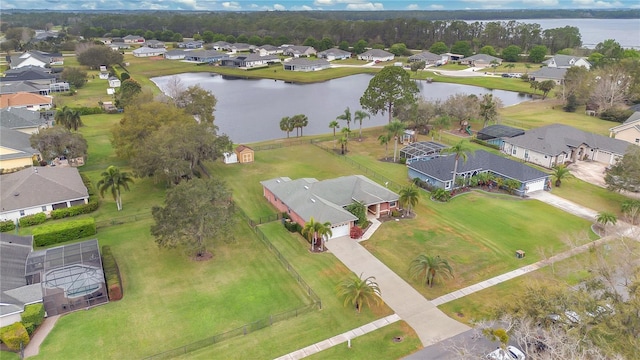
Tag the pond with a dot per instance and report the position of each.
(250, 110)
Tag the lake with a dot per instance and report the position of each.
(250, 110)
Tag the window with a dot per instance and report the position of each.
(637, 141)
(44, 208)
(21, 212)
(392, 204)
(526, 154)
(513, 152)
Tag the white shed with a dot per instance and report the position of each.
(230, 158)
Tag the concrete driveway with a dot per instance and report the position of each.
(593, 172)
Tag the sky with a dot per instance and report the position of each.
(311, 5)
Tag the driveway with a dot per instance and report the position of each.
(593, 172)
(431, 324)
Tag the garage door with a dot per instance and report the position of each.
(535, 186)
(339, 231)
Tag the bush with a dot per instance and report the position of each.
(111, 274)
(617, 114)
(356, 232)
(32, 317)
(292, 226)
(14, 335)
(7, 225)
(75, 210)
(65, 231)
(395, 213)
(85, 110)
(31, 220)
(484, 143)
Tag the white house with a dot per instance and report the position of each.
(147, 51)
(114, 82)
(175, 54)
(629, 130)
(566, 61)
(40, 189)
(334, 54)
(376, 55)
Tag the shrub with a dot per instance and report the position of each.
(617, 114)
(7, 225)
(441, 195)
(31, 220)
(395, 213)
(76, 210)
(14, 335)
(85, 110)
(65, 231)
(484, 143)
(356, 232)
(32, 317)
(292, 226)
(111, 274)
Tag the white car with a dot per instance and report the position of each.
(511, 353)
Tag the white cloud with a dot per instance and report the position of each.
(436, 7)
(413, 7)
(279, 7)
(324, 2)
(303, 8)
(541, 2)
(596, 4)
(231, 5)
(365, 6)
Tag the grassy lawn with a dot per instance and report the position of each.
(489, 82)
(591, 196)
(477, 233)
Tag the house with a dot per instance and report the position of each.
(194, 44)
(15, 293)
(221, 45)
(34, 74)
(155, 44)
(31, 87)
(175, 54)
(549, 73)
(557, 144)
(268, 50)
(15, 152)
(147, 51)
(429, 58)
(453, 57)
(376, 55)
(421, 150)
(44, 35)
(566, 61)
(205, 56)
(27, 59)
(103, 75)
(326, 200)
(114, 82)
(26, 121)
(438, 172)
(241, 47)
(495, 134)
(334, 54)
(244, 154)
(299, 51)
(29, 101)
(250, 61)
(119, 46)
(481, 60)
(40, 189)
(629, 130)
(306, 65)
(133, 39)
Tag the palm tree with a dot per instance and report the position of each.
(315, 231)
(359, 116)
(395, 128)
(301, 121)
(286, 125)
(560, 172)
(384, 140)
(358, 291)
(409, 197)
(604, 217)
(334, 125)
(344, 140)
(461, 151)
(631, 208)
(346, 116)
(113, 179)
(429, 268)
(68, 118)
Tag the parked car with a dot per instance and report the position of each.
(511, 353)
(506, 75)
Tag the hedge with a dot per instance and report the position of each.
(14, 334)
(30, 220)
(32, 316)
(65, 231)
(75, 210)
(112, 274)
(7, 225)
(484, 143)
(85, 110)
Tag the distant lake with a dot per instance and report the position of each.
(250, 110)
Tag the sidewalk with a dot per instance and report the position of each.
(340, 339)
(33, 348)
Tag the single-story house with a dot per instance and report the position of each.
(114, 82)
(241, 47)
(557, 144)
(495, 134)
(26, 59)
(629, 130)
(244, 154)
(205, 56)
(250, 60)
(566, 61)
(119, 46)
(325, 200)
(133, 39)
(15, 293)
(15, 87)
(26, 121)
(194, 44)
(147, 51)
(40, 189)
(452, 56)
(549, 73)
(30, 73)
(268, 50)
(103, 75)
(306, 65)
(376, 55)
(334, 54)
(438, 172)
(220, 45)
(29, 101)
(155, 44)
(429, 58)
(481, 60)
(175, 54)
(299, 51)
(15, 152)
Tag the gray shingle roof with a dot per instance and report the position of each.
(549, 73)
(376, 53)
(14, 87)
(18, 118)
(562, 60)
(334, 52)
(425, 56)
(482, 57)
(442, 168)
(634, 117)
(49, 185)
(18, 141)
(556, 139)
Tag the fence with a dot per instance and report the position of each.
(122, 220)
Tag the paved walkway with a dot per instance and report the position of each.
(430, 324)
(33, 348)
(340, 339)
